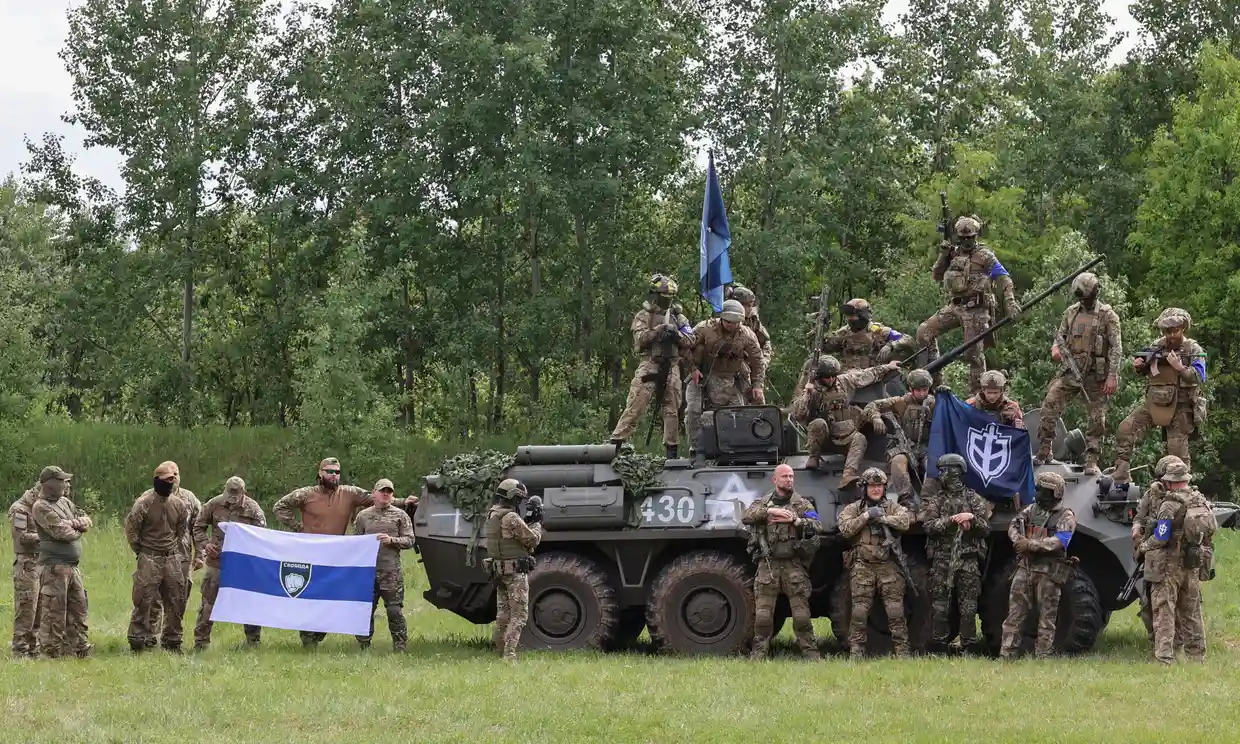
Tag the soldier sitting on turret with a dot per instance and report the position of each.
(991, 399)
(861, 343)
(823, 407)
(912, 412)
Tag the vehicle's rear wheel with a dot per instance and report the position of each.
(917, 611)
(572, 604)
(701, 603)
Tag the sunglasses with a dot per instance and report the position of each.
(332, 472)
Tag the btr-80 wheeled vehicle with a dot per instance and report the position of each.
(673, 559)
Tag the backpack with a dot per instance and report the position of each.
(1198, 531)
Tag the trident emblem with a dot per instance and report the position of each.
(989, 452)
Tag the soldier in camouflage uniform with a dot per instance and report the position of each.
(234, 505)
(967, 272)
(991, 399)
(1143, 527)
(957, 522)
(1090, 333)
(25, 574)
(62, 598)
(511, 542)
(860, 343)
(725, 355)
(155, 528)
(871, 563)
(393, 528)
(1041, 533)
(824, 409)
(1174, 566)
(326, 508)
(660, 331)
(191, 559)
(1173, 400)
(912, 411)
(749, 301)
(785, 534)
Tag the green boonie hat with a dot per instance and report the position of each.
(53, 472)
(1177, 472)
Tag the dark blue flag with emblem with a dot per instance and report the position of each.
(714, 267)
(1000, 458)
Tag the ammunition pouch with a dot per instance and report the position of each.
(806, 547)
(1161, 401)
(970, 301)
(784, 550)
(497, 568)
(1206, 572)
(1192, 556)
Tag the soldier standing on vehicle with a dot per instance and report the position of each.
(824, 409)
(661, 334)
(1175, 370)
(957, 522)
(393, 528)
(1088, 343)
(60, 525)
(327, 508)
(234, 505)
(785, 530)
(724, 356)
(912, 411)
(1041, 533)
(872, 525)
(991, 398)
(749, 301)
(1143, 527)
(25, 574)
(155, 529)
(860, 343)
(1175, 562)
(511, 542)
(191, 561)
(967, 272)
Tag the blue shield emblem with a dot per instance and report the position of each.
(1162, 530)
(990, 452)
(294, 577)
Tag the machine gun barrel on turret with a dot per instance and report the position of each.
(959, 351)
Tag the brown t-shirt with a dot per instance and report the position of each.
(323, 512)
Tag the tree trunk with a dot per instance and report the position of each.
(410, 355)
(501, 330)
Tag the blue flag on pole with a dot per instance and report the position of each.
(714, 269)
(1000, 458)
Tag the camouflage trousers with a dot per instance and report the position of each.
(641, 394)
(721, 390)
(902, 481)
(1176, 604)
(210, 591)
(787, 577)
(866, 581)
(512, 601)
(1030, 588)
(1146, 612)
(971, 321)
(157, 609)
(62, 612)
(1133, 430)
(1060, 394)
(820, 440)
(390, 587)
(968, 585)
(25, 605)
(157, 577)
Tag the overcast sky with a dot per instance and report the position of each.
(35, 89)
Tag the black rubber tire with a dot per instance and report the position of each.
(701, 603)
(917, 610)
(572, 605)
(1081, 618)
(632, 623)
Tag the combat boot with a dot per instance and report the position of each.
(1121, 474)
(1043, 457)
(813, 462)
(671, 451)
(1091, 464)
(848, 478)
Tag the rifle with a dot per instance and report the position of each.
(660, 380)
(945, 224)
(824, 305)
(893, 542)
(1151, 355)
(959, 351)
(1070, 362)
(1129, 590)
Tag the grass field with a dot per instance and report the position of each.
(451, 687)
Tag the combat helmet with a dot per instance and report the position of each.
(993, 379)
(743, 295)
(873, 476)
(967, 227)
(829, 366)
(1174, 317)
(920, 378)
(952, 460)
(1053, 482)
(663, 285)
(857, 306)
(733, 311)
(1085, 285)
(511, 489)
(1161, 467)
(1177, 472)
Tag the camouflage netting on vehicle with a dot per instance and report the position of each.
(470, 480)
(638, 472)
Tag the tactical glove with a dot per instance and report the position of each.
(1013, 309)
(874, 512)
(942, 390)
(877, 426)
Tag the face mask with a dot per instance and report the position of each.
(1090, 302)
(950, 477)
(161, 486)
(856, 323)
(969, 242)
(1045, 498)
(663, 301)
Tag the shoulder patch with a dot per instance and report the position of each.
(876, 328)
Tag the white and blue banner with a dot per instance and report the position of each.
(293, 581)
